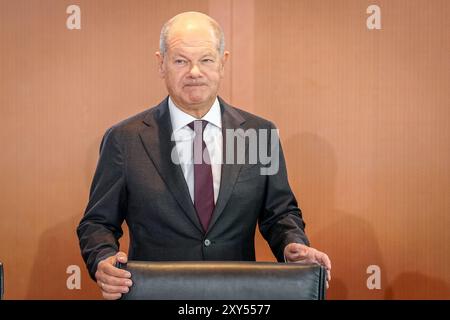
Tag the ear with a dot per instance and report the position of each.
(224, 60)
(160, 59)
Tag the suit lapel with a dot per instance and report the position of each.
(231, 119)
(156, 137)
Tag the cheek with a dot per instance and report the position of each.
(214, 76)
(174, 81)
(216, 79)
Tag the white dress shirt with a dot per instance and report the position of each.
(184, 139)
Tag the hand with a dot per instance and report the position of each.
(299, 253)
(111, 280)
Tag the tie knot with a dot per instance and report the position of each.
(198, 125)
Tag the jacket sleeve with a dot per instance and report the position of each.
(100, 228)
(281, 221)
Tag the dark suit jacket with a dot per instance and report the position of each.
(137, 181)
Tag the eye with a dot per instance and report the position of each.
(207, 60)
(180, 62)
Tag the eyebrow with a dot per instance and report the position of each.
(180, 55)
(177, 55)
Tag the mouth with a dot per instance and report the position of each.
(195, 85)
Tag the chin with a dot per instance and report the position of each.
(197, 99)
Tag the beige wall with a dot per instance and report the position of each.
(363, 116)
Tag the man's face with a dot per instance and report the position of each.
(192, 68)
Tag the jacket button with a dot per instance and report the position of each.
(207, 242)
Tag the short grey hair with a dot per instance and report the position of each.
(217, 31)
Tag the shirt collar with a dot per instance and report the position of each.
(181, 119)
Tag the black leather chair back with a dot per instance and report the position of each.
(225, 281)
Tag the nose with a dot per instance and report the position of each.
(195, 71)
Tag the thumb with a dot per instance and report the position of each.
(121, 257)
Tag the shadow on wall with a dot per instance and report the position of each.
(348, 239)
(413, 285)
(58, 249)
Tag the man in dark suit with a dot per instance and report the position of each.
(162, 171)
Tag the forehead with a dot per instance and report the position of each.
(192, 39)
(192, 49)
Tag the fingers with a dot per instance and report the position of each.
(110, 270)
(112, 287)
(299, 253)
(113, 281)
(324, 260)
(106, 288)
(107, 266)
(111, 296)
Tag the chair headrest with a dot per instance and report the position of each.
(206, 280)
